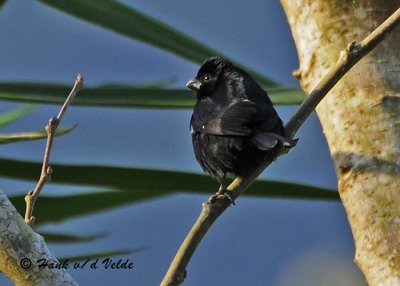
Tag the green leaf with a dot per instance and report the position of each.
(2, 2)
(50, 209)
(133, 185)
(131, 23)
(158, 84)
(99, 255)
(286, 96)
(28, 136)
(122, 96)
(146, 183)
(68, 238)
(14, 115)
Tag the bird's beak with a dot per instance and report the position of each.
(194, 84)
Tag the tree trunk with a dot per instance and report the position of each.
(22, 251)
(360, 118)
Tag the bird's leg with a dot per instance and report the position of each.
(222, 192)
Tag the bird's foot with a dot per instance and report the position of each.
(222, 193)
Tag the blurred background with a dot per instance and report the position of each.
(263, 240)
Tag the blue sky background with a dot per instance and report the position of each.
(265, 241)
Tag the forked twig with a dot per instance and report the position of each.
(210, 212)
(45, 175)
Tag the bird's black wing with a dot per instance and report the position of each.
(233, 120)
(240, 118)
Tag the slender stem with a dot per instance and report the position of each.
(45, 175)
(210, 212)
(76, 88)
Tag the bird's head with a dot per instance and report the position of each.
(208, 76)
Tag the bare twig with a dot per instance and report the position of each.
(45, 175)
(210, 212)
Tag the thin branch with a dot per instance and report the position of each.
(210, 212)
(45, 175)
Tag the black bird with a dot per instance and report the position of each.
(234, 125)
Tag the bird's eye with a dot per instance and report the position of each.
(206, 78)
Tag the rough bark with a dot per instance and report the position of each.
(21, 248)
(360, 118)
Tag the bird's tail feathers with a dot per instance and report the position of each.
(289, 143)
(268, 141)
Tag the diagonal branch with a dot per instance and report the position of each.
(210, 212)
(45, 175)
